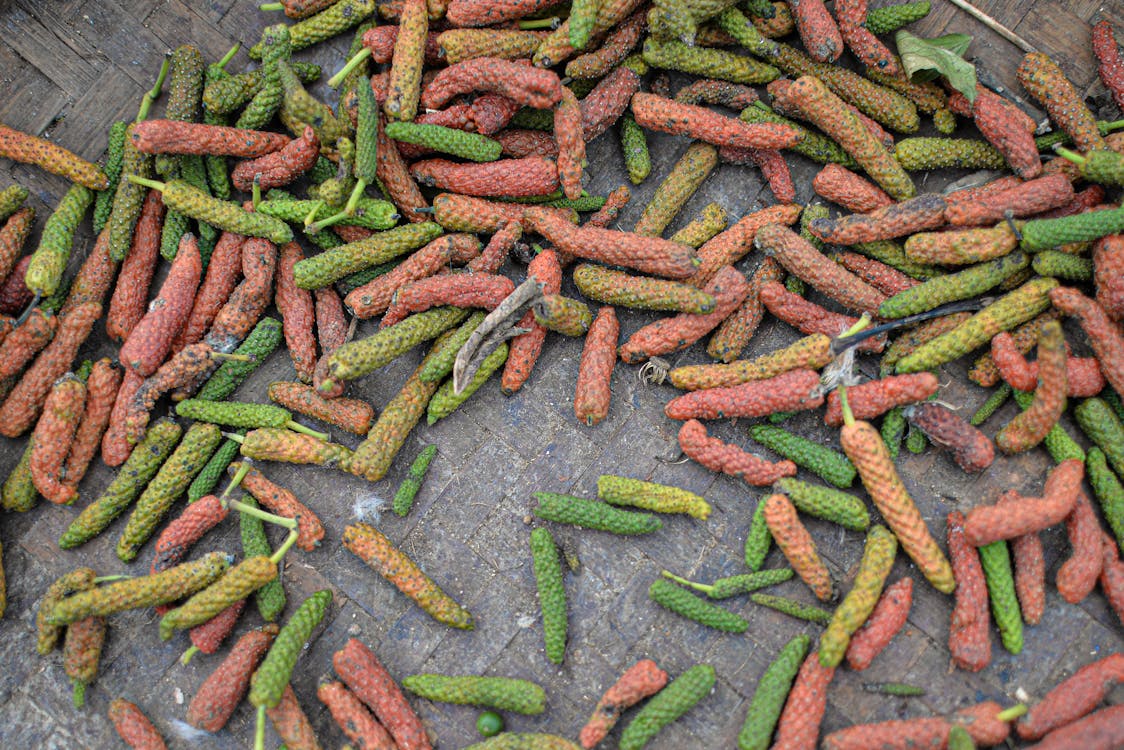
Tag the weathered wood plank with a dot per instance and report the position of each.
(35, 103)
(56, 53)
(121, 39)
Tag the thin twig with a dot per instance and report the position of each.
(994, 25)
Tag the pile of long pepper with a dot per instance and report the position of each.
(356, 209)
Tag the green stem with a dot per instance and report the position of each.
(1109, 127)
(107, 579)
(542, 23)
(308, 220)
(848, 415)
(1012, 713)
(154, 184)
(243, 469)
(27, 312)
(684, 582)
(862, 323)
(154, 93)
(290, 540)
(235, 437)
(259, 730)
(231, 357)
(355, 61)
(356, 194)
(249, 510)
(186, 658)
(271, 6)
(79, 696)
(230, 55)
(255, 194)
(296, 427)
(319, 226)
(1073, 156)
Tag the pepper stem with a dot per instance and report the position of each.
(1012, 713)
(356, 194)
(243, 469)
(297, 427)
(271, 6)
(107, 579)
(319, 226)
(249, 510)
(542, 23)
(255, 194)
(79, 695)
(860, 324)
(290, 540)
(705, 588)
(27, 312)
(154, 93)
(259, 730)
(848, 415)
(316, 206)
(1109, 127)
(230, 55)
(235, 437)
(425, 210)
(186, 657)
(155, 185)
(355, 61)
(1073, 156)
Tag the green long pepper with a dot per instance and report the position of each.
(685, 604)
(768, 698)
(189, 200)
(324, 25)
(241, 414)
(49, 259)
(724, 588)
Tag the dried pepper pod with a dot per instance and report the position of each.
(235, 584)
(11, 198)
(818, 30)
(822, 461)
(734, 333)
(208, 478)
(373, 548)
(859, 603)
(150, 339)
(638, 682)
(513, 177)
(840, 185)
(206, 637)
(592, 392)
(1072, 698)
(826, 110)
(879, 275)
(48, 634)
(801, 259)
(724, 588)
(822, 502)
(685, 177)
(920, 154)
(1101, 726)
(1105, 339)
(223, 270)
(666, 115)
(334, 19)
(886, 619)
(621, 40)
(1030, 427)
(361, 670)
(1078, 574)
(142, 465)
(876, 397)
(562, 314)
(277, 499)
(199, 517)
(53, 437)
(972, 450)
(145, 591)
(352, 415)
(297, 313)
(180, 138)
(12, 238)
(799, 723)
(1026, 199)
(115, 446)
(634, 146)
(985, 723)
(351, 716)
(793, 608)
(525, 348)
(216, 699)
(1046, 82)
(18, 492)
(290, 722)
(986, 524)
(784, 105)
(1107, 489)
(1083, 374)
(1112, 576)
(528, 86)
(1030, 572)
(132, 726)
(270, 598)
(716, 455)
(674, 700)
(607, 104)
(130, 295)
(729, 289)
(408, 489)
(797, 546)
(1063, 266)
(769, 697)
(926, 211)
(1110, 67)
(592, 514)
(556, 47)
(711, 220)
(1100, 423)
(1008, 311)
(651, 496)
(864, 446)
(29, 149)
(963, 284)
(462, 289)
(280, 167)
(228, 216)
(790, 391)
(1044, 234)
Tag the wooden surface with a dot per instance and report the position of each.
(71, 67)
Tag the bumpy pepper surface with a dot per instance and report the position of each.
(592, 514)
(273, 675)
(887, 618)
(502, 693)
(770, 694)
(797, 545)
(216, 699)
(680, 696)
(857, 606)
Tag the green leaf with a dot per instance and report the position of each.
(925, 59)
